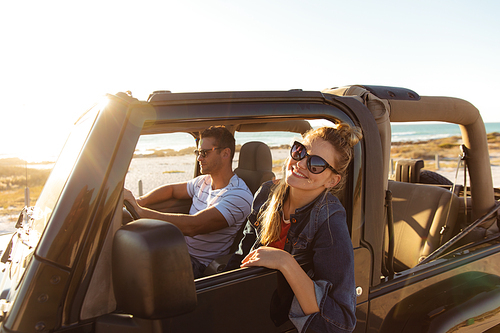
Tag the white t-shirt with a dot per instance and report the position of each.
(233, 201)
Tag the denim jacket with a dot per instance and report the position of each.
(320, 230)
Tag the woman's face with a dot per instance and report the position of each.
(298, 176)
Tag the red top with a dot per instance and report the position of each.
(280, 244)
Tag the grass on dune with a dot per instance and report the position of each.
(13, 183)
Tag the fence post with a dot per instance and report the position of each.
(27, 196)
(437, 161)
(26, 189)
(140, 188)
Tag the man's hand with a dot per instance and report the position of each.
(203, 222)
(129, 197)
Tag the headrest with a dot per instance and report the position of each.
(255, 165)
(255, 156)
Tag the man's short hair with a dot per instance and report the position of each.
(223, 138)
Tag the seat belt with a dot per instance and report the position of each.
(462, 159)
(390, 229)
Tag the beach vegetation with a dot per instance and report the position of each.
(445, 148)
(493, 137)
(13, 182)
(278, 165)
(166, 152)
(187, 151)
(13, 177)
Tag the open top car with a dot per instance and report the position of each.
(425, 258)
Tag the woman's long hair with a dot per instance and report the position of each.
(342, 138)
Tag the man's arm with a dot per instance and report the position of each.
(203, 222)
(164, 193)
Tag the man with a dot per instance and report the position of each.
(221, 201)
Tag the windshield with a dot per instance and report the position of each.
(28, 235)
(61, 171)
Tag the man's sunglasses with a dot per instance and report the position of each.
(315, 164)
(204, 152)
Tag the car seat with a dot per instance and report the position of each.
(420, 218)
(255, 165)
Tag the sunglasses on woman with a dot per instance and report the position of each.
(315, 164)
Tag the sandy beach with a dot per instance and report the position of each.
(7, 223)
(156, 171)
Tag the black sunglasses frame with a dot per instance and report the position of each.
(303, 154)
(204, 152)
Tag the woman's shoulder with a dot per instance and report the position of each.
(328, 206)
(329, 200)
(265, 188)
(262, 195)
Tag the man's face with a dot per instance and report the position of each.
(212, 161)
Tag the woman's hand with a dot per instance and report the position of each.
(269, 257)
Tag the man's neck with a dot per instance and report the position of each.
(222, 179)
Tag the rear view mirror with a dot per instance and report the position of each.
(152, 273)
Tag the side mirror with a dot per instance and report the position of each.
(152, 273)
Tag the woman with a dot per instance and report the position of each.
(301, 214)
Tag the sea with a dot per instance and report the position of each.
(401, 132)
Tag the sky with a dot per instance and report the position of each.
(58, 57)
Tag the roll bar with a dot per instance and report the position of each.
(463, 113)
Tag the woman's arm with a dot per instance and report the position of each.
(333, 287)
(302, 286)
(333, 262)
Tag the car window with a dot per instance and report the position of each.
(161, 159)
(278, 142)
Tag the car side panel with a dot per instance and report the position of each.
(230, 305)
(436, 299)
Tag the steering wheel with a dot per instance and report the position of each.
(131, 210)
